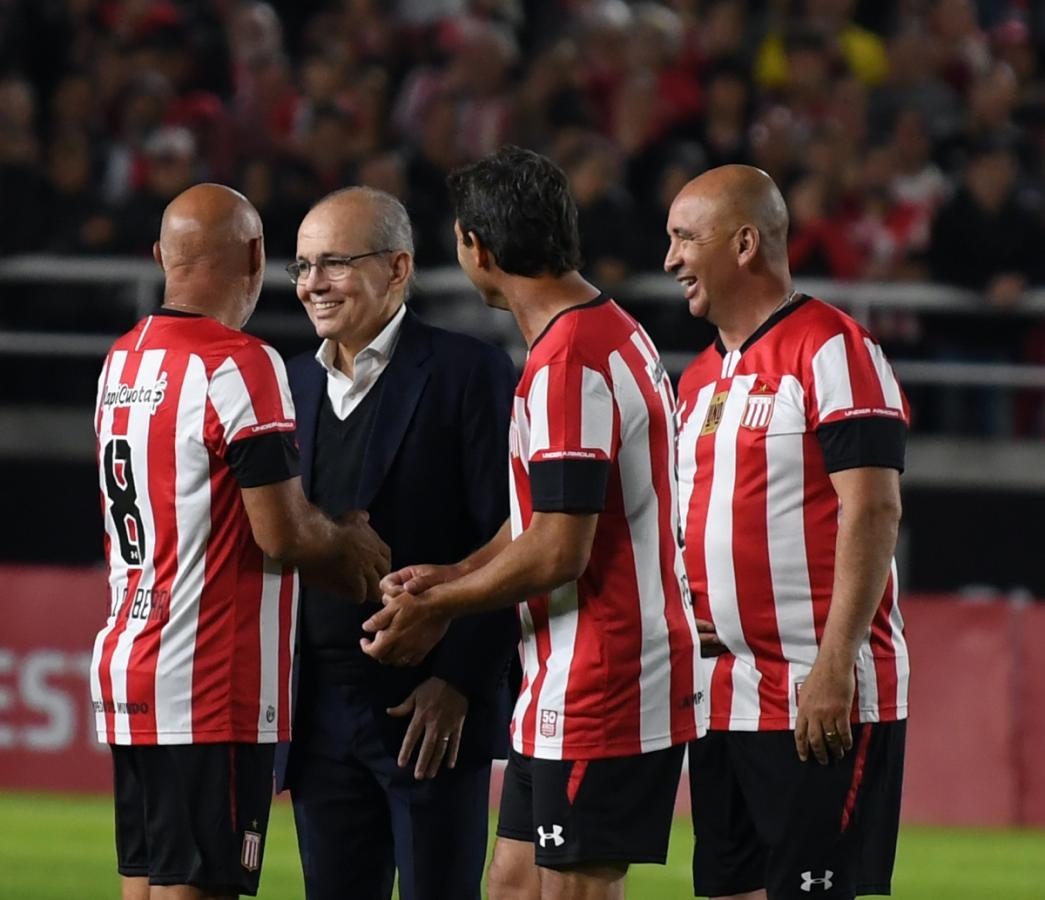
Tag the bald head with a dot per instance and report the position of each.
(205, 220)
(212, 253)
(734, 196)
(374, 216)
(728, 248)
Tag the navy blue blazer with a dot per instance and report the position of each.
(435, 482)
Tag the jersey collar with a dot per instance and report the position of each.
(597, 300)
(178, 313)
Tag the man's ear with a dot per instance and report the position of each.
(157, 254)
(748, 241)
(483, 257)
(257, 254)
(402, 267)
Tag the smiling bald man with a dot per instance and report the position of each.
(389, 768)
(791, 443)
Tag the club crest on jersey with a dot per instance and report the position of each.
(714, 416)
(759, 408)
(150, 395)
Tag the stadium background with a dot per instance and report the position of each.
(907, 135)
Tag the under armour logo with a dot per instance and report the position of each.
(656, 372)
(808, 881)
(555, 836)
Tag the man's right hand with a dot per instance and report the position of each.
(406, 629)
(710, 645)
(416, 579)
(366, 558)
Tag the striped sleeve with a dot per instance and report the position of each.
(250, 396)
(857, 409)
(571, 438)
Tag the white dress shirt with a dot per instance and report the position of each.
(347, 393)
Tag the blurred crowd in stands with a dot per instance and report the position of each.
(908, 135)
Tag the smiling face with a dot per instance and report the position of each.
(353, 309)
(727, 230)
(702, 254)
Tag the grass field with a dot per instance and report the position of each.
(61, 848)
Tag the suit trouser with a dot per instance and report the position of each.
(360, 817)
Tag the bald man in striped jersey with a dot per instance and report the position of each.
(791, 443)
(205, 523)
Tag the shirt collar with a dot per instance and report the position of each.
(382, 346)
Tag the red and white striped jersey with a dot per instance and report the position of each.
(609, 665)
(198, 642)
(761, 428)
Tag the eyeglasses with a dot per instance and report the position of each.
(336, 267)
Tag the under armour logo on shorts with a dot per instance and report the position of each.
(808, 880)
(555, 836)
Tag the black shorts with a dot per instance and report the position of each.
(193, 814)
(764, 819)
(615, 810)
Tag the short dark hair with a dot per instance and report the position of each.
(518, 204)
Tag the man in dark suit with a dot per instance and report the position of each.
(389, 768)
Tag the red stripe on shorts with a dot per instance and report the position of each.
(858, 776)
(580, 766)
(232, 788)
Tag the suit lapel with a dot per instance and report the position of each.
(404, 381)
(313, 392)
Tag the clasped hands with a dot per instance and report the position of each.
(404, 632)
(410, 623)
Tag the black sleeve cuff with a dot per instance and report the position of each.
(868, 441)
(264, 459)
(569, 485)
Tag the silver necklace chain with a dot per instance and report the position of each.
(787, 299)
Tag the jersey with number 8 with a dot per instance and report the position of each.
(198, 640)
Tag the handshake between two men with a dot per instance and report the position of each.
(415, 615)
